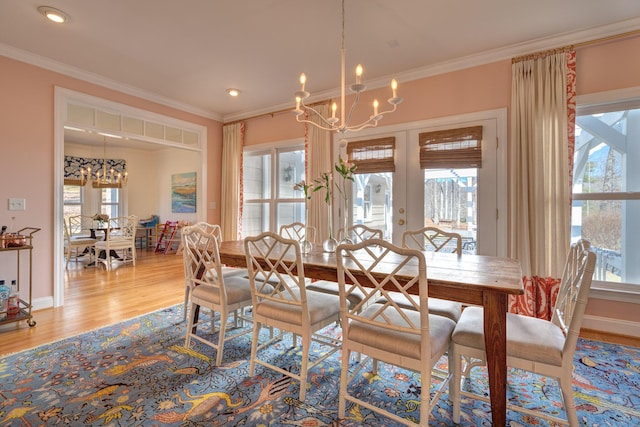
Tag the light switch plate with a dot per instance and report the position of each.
(17, 204)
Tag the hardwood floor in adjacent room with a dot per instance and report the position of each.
(95, 297)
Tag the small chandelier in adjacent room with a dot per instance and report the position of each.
(104, 177)
(342, 124)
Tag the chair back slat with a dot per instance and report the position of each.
(432, 239)
(298, 231)
(359, 233)
(574, 290)
(273, 259)
(202, 260)
(371, 267)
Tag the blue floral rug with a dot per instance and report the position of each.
(137, 373)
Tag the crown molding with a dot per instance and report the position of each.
(469, 61)
(67, 70)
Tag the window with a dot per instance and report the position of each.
(269, 198)
(606, 191)
(450, 159)
(375, 161)
(73, 200)
(110, 201)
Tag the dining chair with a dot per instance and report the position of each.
(211, 288)
(287, 306)
(298, 231)
(77, 242)
(120, 236)
(385, 332)
(431, 238)
(216, 231)
(544, 347)
(360, 232)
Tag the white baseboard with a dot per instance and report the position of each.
(612, 326)
(42, 303)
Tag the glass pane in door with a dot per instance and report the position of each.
(372, 201)
(451, 201)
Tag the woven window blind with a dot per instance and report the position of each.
(451, 148)
(373, 155)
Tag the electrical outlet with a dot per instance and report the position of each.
(17, 204)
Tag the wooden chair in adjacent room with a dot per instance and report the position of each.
(77, 239)
(287, 306)
(384, 332)
(544, 347)
(211, 288)
(120, 237)
(169, 238)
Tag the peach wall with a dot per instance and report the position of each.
(26, 130)
(475, 89)
(608, 66)
(26, 142)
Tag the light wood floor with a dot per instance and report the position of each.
(95, 298)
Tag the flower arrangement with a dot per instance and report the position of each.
(346, 171)
(101, 218)
(324, 182)
(304, 187)
(305, 245)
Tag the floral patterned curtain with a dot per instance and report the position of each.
(541, 163)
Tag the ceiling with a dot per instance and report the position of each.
(187, 53)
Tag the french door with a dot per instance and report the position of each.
(469, 201)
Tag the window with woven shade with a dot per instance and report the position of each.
(373, 155)
(451, 148)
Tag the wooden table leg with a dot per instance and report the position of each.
(495, 336)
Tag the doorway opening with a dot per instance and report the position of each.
(140, 131)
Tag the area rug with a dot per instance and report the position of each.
(138, 373)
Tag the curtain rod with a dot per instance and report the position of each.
(273, 113)
(573, 46)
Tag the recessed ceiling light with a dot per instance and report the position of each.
(233, 92)
(53, 14)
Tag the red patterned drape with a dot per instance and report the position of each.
(540, 293)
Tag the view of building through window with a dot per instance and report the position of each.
(606, 191)
(450, 202)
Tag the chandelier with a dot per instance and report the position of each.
(343, 124)
(104, 177)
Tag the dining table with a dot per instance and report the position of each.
(481, 280)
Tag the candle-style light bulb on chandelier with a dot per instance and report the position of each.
(103, 177)
(343, 124)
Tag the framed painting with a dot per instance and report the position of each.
(183, 192)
